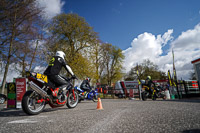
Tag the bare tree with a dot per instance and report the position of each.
(13, 16)
(113, 59)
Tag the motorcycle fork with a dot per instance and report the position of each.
(33, 93)
(74, 94)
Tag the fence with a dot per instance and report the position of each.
(111, 92)
(188, 88)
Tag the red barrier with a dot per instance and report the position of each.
(131, 92)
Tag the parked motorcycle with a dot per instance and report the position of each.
(40, 94)
(84, 95)
(3, 98)
(157, 92)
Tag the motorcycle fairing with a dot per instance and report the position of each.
(79, 89)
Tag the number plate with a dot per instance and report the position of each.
(42, 77)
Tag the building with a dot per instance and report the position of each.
(196, 64)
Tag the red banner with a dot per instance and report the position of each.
(20, 90)
(131, 92)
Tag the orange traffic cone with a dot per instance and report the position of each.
(99, 105)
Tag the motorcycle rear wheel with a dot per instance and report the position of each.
(30, 105)
(164, 97)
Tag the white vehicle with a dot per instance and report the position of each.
(125, 88)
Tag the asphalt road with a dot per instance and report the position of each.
(117, 116)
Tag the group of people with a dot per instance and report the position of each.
(55, 65)
(53, 73)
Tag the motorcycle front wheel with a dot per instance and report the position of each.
(95, 98)
(144, 95)
(71, 100)
(30, 105)
(2, 100)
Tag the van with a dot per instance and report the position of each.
(126, 88)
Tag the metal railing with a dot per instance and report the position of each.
(113, 93)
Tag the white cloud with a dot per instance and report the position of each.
(12, 73)
(147, 46)
(189, 40)
(39, 69)
(51, 7)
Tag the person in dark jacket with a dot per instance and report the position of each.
(150, 84)
(85, 85)
(55, 65)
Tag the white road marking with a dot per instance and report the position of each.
(33, 119)
(23, 121)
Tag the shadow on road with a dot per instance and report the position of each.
(192, 131)
(191, 100)
(11, 113)
(186, 100)
(19, 112)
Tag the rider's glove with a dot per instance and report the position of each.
(73, 77)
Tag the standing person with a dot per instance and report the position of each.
(85, 85)
(149, 83)
(52, 71)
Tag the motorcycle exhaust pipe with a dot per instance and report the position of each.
(39, 90)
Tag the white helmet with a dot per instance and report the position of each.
(60, 54)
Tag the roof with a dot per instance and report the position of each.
(194, 61)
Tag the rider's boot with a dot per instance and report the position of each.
(86, 94)
(55, 92)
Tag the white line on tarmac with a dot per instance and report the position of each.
(23, 121)
(32, 120)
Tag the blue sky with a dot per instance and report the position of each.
(146, 29)
(119, 21)
(143, 29)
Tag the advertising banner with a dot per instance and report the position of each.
(11, 95)
(20, 90)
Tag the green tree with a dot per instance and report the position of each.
(97, 59)
(113, 59)
(146, 68)
(73, 35)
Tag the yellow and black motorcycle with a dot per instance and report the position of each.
(153, 93)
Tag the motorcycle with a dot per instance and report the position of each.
(157, 92)
(92, 95)
(41, 93)
(3, 98)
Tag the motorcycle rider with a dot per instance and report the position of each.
(149, 83)
(85, 85)
(52, 71)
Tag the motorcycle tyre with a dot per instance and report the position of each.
(25, 104)
(164, 97)
(69, 105)
(79, 100)
(95, 98)
(2, 100)
(153, 98)
(144, 96)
